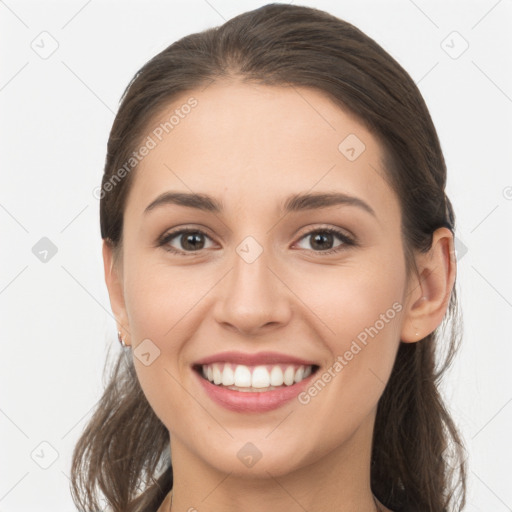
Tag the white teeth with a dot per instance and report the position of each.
(276, 376)
(217, 375)
(260, 377)
(299, 373)
(254, 378)
(242, 376)
(228, 377)
(289, 375)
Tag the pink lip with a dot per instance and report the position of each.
(253, 359)
(247, 401)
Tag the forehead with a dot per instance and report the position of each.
(254, 143)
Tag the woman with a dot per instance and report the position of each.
(279, 256)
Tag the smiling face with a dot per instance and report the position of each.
(257, 272)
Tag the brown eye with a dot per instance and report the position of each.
(188, 240)
(322, 240)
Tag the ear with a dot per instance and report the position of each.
(429, 292)
(114, 281)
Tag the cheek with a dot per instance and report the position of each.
(349, 300)
(371, 307)
(162, 305)
(363, 312)
(158, 297)
(362, 307)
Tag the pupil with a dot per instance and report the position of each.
(319, 237)
(191, 239)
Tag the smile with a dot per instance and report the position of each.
(259, 378)
(259, 382)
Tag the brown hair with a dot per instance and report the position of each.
(417, 454)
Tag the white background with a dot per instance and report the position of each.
(56, 113)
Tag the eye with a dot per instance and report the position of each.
(323, 238)
(190, 240)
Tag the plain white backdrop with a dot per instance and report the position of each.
(64, 68)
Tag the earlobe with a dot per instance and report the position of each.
(114, 282)
(429, 294)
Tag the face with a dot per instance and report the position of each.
(265, 288)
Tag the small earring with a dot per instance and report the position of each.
(121, 340)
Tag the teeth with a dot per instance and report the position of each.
(242, 376)
(228, 377)
(217, 375)
(260, 377)
(289, 375)
(276, 376)
(299, 374)
(254, 378)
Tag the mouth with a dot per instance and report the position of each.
(253, 382)
(254, 379)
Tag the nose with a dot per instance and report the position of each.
(253, 297)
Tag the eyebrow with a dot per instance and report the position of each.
(294, 203)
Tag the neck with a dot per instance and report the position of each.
(338, 480)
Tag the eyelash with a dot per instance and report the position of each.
(347, 241)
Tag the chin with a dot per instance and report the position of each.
(259, 458)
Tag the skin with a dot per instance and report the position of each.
(250, 146)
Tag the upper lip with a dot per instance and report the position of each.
(259, 358)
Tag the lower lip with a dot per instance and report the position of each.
(248, 401)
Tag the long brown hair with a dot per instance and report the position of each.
(417, 455)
